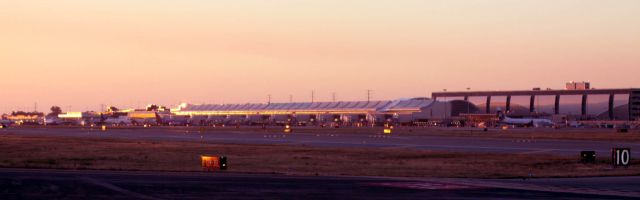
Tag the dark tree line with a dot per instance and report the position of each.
(55, 111)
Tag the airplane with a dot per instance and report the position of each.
(530, 122)
(52, 121)
(120, 120)
(5, 122)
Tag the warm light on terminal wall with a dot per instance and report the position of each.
(142, 114)
(23, 117)
(269, 112)
(287, 112)
(71, 115)
(182, 105)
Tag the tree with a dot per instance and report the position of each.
(55, 111)
(112, 109)
(152, 107)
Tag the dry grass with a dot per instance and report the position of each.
(118, 154)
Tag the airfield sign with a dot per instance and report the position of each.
(621, 157)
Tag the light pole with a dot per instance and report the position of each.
(444, 113)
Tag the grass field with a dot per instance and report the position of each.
(117, 154)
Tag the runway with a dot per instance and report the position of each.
(63, 184)
(329, 139)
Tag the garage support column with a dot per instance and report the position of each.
(611, 116)
(556, 108)
(488, 104)
(584, 105)
(532, 103)
(632, 117)
(508, 106)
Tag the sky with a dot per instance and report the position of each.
(81, 54)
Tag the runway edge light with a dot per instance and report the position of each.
(588, 157)
(288, 129)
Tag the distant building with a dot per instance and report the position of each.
(143, 116)
(79, 118)
(578, 86)
(152, 114)
(21, 117)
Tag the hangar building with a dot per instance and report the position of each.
(347, 112)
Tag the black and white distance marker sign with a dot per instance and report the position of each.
(621, 157)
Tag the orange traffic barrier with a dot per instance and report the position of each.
(212, 163)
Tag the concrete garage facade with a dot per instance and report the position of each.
(583, 104)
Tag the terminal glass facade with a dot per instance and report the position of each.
(571, 105)
(498, 102)
(519, 105)
(545, 104)
(598, 107)
(480, 102)
(621, 107)
(449, 99)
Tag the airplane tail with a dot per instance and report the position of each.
(501, 115)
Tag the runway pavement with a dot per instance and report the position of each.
(62, 184)
(328, 139)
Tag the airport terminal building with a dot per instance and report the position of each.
(577, 102)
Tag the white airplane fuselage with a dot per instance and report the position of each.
(525, 121)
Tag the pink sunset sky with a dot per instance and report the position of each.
(79, 54)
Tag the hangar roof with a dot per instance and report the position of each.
(339, 106)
